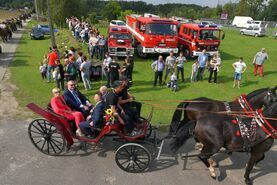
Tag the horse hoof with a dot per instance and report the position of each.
(248, 181)
(213, 177)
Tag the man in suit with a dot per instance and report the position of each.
(95, 119)
(75, 99)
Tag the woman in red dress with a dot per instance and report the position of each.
(59, 107)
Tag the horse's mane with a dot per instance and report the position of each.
(256, 92)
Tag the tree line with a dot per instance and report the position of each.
(92, 10)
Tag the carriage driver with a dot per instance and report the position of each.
(111, 101)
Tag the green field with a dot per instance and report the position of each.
(31, 88)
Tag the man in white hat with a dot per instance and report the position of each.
(258, 61)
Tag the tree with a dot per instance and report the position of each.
(124, 13)
(92, 18)
(112, 10)
(229, 8)
(270, 12)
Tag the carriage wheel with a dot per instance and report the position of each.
(132, 157)
(45, 137)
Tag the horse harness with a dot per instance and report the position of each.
(249, 131)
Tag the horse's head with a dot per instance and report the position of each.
(261, 97)
(270, 97)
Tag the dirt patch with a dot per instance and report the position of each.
(9, 108)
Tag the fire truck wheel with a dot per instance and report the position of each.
(186, 52)
(140, 52)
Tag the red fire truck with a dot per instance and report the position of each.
(152, 34)
(119, 41)
(193, 38)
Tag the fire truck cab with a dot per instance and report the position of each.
(193, 38)
(152, 34)
(119, 41)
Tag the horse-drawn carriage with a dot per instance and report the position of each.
(53, 134)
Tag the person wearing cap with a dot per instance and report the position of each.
(259, 60)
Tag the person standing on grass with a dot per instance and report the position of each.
(259, 60)
(202, 61)
(158, 67)
(52, 57)
(85, 73)
(114, 70)
(214, 64)
(105, 68)
(43, 70)
(194, 71)
(180, 60)
(78, 63)
(60, 77)
(169, 65)
(240, 68)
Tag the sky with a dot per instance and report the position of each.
(211, 3)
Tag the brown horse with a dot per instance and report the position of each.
(235, 134)
(190, 111)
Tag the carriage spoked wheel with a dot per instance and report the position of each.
(132, 157)
(45, 137)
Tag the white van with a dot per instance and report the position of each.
(259, 24)
(241, 21)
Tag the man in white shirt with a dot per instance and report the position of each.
(93, 43)
(240, 68)
(105, 68)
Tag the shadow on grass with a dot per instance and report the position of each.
(19, 63)
(228, 56)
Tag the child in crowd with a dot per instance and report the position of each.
(240, 67)
(194, 71)
(57, 76)
(173, 84)
(42, 70)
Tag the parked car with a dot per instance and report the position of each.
(46, 29)
(117, 23)
(36, 33)
(253, 31)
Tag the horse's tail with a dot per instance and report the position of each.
(182, 135)
(176, 122)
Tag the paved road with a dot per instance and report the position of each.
(8, 50)
(22, 164)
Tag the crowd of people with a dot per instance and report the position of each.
(173, 65)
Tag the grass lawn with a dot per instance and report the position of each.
(31, 88)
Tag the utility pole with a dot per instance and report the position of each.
(52, 35)
(36, 6)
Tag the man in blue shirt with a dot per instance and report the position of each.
(203, 61)
(158, 67)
